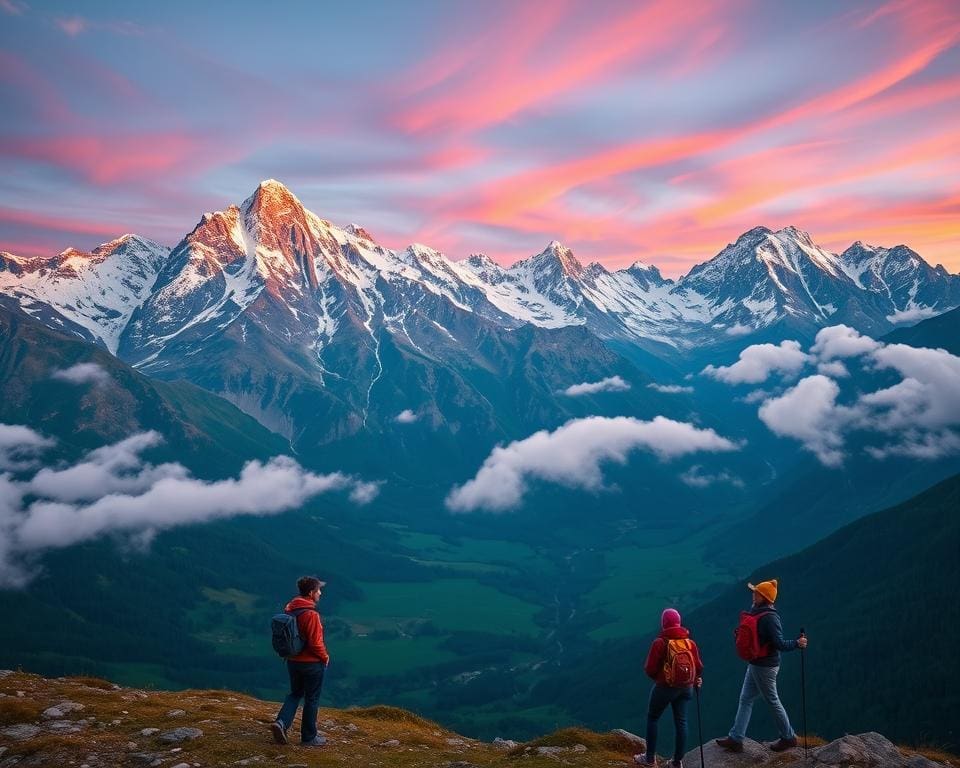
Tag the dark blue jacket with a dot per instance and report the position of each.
(770, 633)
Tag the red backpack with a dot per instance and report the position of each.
(679, 667)
(747, 639)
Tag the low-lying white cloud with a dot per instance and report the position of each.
(19, 447)
(406, 416)
(671, 389)
(758, 361)
(83, 373)
(609, 384)
(572, 456)
(840, 341)
(916, 417)
(114, 490)
(739, 329)
(912, 315)
(695, 477)
(809, 413)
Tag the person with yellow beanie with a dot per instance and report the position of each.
(760, 641)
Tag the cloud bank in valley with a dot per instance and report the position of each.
(114, 490)
(916, 417)
(758, 361)
(671, 389)
(573, 455)
(609, 384)
(83, 373)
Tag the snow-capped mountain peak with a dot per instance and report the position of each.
(272, 262)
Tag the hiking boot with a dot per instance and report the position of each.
(316, 741)
(731, 745)
(782, 745)
(279, 732)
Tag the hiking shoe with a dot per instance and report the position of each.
(782, 745)
(641, 759)
(731, 745)
(279, 732)
(316, 741)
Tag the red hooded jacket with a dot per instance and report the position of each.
(658, 653)
(311, 630)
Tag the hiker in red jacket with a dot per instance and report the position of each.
(674, 665)
(306, 668)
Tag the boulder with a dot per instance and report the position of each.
(20, 732)
(715, 756)
(181, 734)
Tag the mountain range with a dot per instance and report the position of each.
(295, 321)
(271, 262)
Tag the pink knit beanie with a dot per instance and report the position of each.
(669, 618)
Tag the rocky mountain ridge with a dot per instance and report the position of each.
(89, 721)
(270, 255)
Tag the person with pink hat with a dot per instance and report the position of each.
(674, 665)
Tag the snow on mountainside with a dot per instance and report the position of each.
(304, 280)
(92, 294)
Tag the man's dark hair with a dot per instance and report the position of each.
(306, 585)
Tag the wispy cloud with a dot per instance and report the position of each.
(671, 389)
(573, 456)
(406, 416)
(609, 384)
(758, 361)
(114, 490)
(83, 373)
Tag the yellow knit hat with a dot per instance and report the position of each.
(767, 589)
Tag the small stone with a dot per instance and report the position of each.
(182, 765)
(131, 745)
(181, 734)
(5, 673)
(551, 750)
(251, 760)
(20, 732)
(351, 727)
(61, 709)
(579, 747)
(456, 742)
(504, 744)
(177, 749)
(176, 713)
(21, 694)
(149, 731)
(389, 743)
(124, 712)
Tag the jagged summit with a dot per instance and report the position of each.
(311, 274)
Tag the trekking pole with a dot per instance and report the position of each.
(803, 693)
(700, 726)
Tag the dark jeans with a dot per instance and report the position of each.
(678, 698)
(306, 680)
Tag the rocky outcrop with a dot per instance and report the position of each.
(862, 751)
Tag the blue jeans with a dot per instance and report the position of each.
(306, 680)
(760, 681)
(677, 698)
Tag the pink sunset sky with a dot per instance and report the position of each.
(627, 130)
